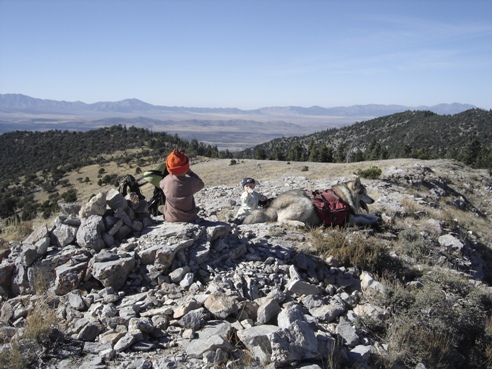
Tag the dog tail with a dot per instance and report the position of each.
(261, 216)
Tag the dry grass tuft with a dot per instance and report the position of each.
(410, 205)
(12, 358)
(411, 343)
(334, 359)
(40, 323)
(411, 243)
(15, 232)
(40, 280)
(351, 249)
(441, 324)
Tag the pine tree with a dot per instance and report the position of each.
(472, 153)
(296, 152)
(326, 154)
(313, 152)
(341, 154)
(278, 154)
(358, 156)
(260, 154)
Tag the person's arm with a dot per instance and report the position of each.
(252, 200)
(192, 173)
(198, 181)
(248, 199)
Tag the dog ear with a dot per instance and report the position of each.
(357, 182)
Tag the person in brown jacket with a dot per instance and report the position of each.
(179, 187)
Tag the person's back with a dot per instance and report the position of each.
(179, 187)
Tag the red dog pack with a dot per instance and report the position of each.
(330, 208)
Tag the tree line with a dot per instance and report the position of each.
(474, 153)
(466, 137)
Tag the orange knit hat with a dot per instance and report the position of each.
(177, 162)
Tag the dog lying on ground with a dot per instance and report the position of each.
(296, 207)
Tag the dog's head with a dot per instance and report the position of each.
(359, 192)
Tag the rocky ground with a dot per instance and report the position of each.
(127, 290)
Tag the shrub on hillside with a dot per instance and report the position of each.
(353, 250)
(370, 173)
(442, 324)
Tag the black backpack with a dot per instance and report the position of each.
(130, 184)
(158, 198)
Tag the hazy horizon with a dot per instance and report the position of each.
(234, 107)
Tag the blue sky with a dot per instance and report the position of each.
(249, 54)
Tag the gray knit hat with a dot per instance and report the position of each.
(247, 180)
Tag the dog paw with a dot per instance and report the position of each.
(293, 223)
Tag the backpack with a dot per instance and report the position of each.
(158, 198)
(154, 177)
(330, 208)
(130, 184)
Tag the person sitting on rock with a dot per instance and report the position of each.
(179, 187)
(249, 198)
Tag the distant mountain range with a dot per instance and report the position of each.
(226, 128)
(18, 103)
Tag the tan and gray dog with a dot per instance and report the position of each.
(296, 207)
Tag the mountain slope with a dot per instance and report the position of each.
(25, 153)
(414, 130)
